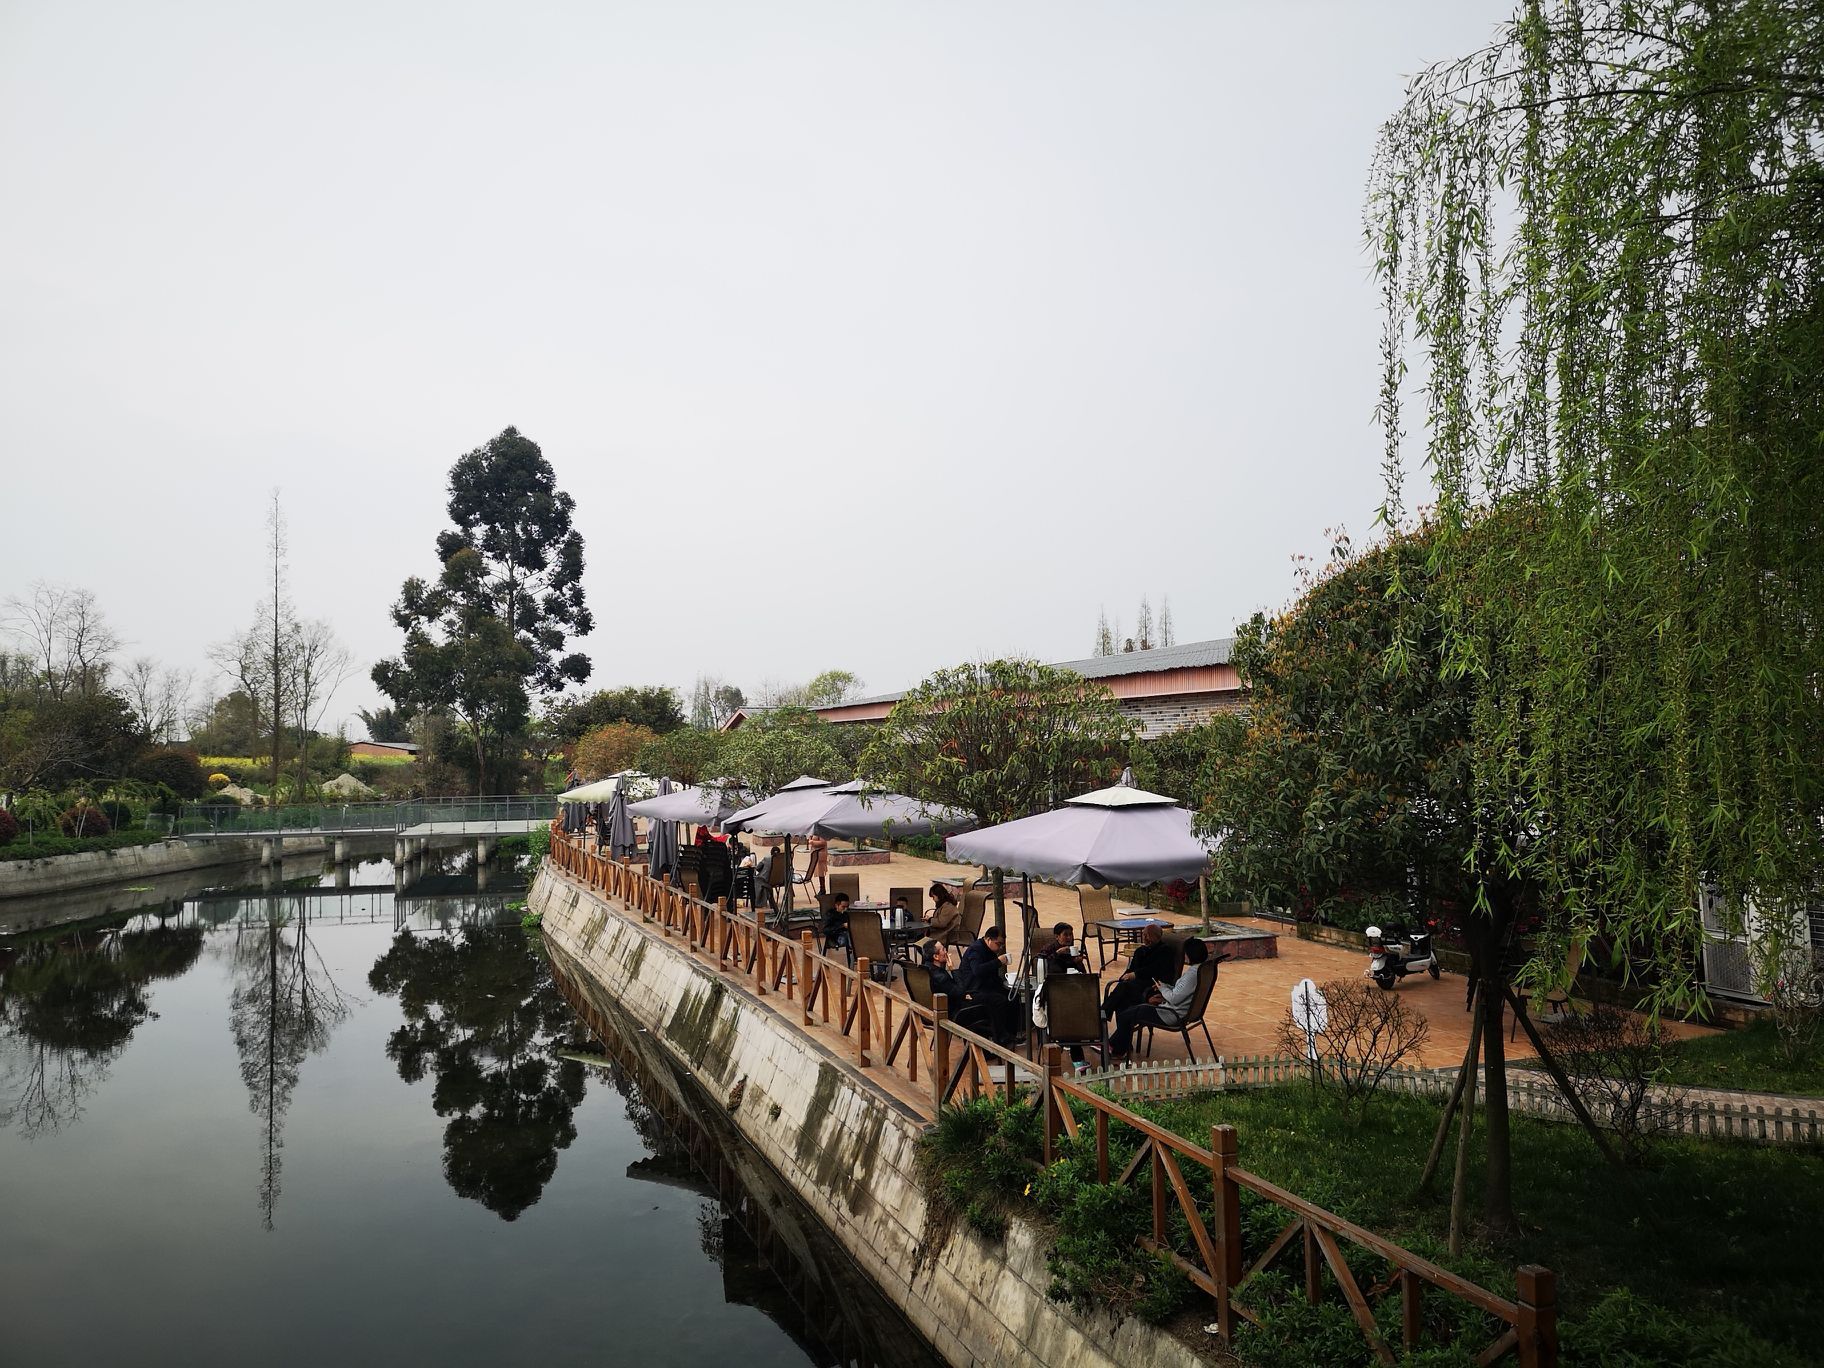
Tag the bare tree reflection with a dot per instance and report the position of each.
(283, 1008)
(68, 1006)
(482, 1016)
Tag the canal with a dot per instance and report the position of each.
(305, 1123)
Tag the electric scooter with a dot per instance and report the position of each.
(1396, 953)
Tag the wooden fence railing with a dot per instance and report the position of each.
(888, 1031)
(885, 1029)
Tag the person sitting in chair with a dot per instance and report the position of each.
(836, 924)
(1059, 950)
(1153, 959)
(990, 1008)
(1167, 1005)
(941, 922)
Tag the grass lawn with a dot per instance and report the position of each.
(1749, 1059)
(1724, 1236)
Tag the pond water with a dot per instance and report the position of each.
(311, 1124)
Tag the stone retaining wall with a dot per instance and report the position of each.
(844, 1145)
(133, 864)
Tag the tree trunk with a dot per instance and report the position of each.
(1498, 1180)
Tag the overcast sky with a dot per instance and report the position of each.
(880, 336)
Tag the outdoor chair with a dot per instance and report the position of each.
(846, 883)
(917, 979)
(1200, 1001)
(1073, 1012)
(915, 902)
(868, 941)
(1557, 1000)
(1093, 904)
(975, 907)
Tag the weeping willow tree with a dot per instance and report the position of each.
(1599, 241)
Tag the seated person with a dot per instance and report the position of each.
(1058, 949)
(942, 964)
(945, 916)
(989, 1007)
(1154, 959)
(836, 924)
(1166, 1006)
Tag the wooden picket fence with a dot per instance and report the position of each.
(1536, 1095)
(886, 1030)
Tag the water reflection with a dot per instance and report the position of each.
(282, 1008)
(68, 1006)
(481, 1016)
(772, 1254)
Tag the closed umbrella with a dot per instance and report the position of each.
(621, 840)
(662, 837)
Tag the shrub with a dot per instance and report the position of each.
(1616, 1064)
(83, 820)
(9, 826)
(120, 815)
(1369, 1033)
(176, 768)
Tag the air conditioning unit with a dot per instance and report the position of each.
(1730, 948)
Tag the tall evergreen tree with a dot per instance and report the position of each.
(495, 624)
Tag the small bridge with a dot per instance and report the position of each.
(418, 819)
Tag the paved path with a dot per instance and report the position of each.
(1252, 996)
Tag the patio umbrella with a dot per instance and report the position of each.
(601, 790)
(621, 839)
(804, 783)
(703, 806)
(1118, 835)
(662, 835)
(852, 812)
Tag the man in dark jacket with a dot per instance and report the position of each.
(989, 1008)
(1155, 959)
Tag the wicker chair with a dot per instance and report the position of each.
(975, 908)
(847, 883)
(868, 941)
(918, 985)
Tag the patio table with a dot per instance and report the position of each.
(1119, 930)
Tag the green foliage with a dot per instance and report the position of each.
(119, 814)
(1348, 780)
(386, 724)
(658, 709)
(774, 747)
(231, 726)
(1000, 739)
(1603, 229)
(689, 755)
(43, 843)
(495, 622)
(176, 768)
(1180, 764)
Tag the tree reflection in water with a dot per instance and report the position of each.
(283, 1008)
(481, 1015)
(68, 1006)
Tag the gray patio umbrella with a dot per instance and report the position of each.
(850, 811)
(804, 783)
(1116, 835)
(621, 839)
(703, 806)
(661, 836)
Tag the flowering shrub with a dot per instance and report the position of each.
(9, 826)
